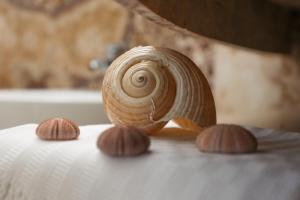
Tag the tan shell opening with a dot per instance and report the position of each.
(154, 127)
(188, 124)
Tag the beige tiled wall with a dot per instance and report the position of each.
(257, 89)
(39, 51)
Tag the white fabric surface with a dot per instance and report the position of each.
(32, 169)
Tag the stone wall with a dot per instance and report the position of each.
(257, 89)
(40, 51)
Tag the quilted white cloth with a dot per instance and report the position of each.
(32, 169)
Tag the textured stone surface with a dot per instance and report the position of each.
(257, 89)
(39, 51)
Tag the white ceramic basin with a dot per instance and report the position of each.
(33, 106)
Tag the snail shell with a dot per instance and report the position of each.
(57, 129)
(148, 86)
(123, 141)
(226, 139)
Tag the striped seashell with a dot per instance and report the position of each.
(57, 129)
(148, 86)
(123, 141)
(226, 139)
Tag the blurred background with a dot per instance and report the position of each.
(68, 45)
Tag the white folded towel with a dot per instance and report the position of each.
(32, 169)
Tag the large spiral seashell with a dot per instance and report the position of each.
(148, 86)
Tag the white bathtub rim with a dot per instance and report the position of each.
(55, 96)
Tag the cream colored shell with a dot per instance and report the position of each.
(148, 86)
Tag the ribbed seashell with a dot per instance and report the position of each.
(226, 139)
(148, 86)
(123, 141)
(57, 129)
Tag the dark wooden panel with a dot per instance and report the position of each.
(257, 24)
(289, 3)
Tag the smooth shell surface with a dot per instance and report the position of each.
(57, 129)
(226, 139)
(123, 141)
(148, 86)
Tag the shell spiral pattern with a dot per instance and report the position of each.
(148, 86)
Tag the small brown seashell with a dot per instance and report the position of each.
(226, 139)
(57, 129)
(123, 141)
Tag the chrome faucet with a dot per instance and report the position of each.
(112, 52)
